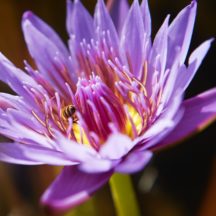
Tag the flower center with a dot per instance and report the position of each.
(107, 98)
(95, 111)
(100, 108)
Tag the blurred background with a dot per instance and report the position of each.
(179, 181)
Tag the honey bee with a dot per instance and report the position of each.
(69, 111)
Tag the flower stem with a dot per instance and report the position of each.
(123, 195)
(87, 208)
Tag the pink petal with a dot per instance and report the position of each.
(134, 162)
(199, 112)
(71, 188)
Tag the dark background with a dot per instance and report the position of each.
(181, 180)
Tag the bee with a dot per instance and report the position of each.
(69, 111)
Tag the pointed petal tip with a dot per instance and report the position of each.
(100, 3)
(69, 3)
(211, 40)
(167, 19)
(166, 22)
(199, 53)
(193, 4)
(28, 18)
(27, 15)
(135, 3)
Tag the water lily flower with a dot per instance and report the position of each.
(106, 102)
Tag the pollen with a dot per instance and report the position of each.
(80, 135)
(134, 122)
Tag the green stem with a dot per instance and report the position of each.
(87, 208)
(123, 195)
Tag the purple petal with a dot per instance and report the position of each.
(11, 101)
(73, 150)
(52, 63)
(69, 16)
(146, 17)
(71, 188)
(103, 22)
(15, 101)
(165, 123)
(185, 75)
(180, 32)
(118, 11)
(195, 60)
(15, 125)
(134, 162)
(31, 154)
(147, 27)
(199, 112)
(116, 147)
(23, 117)
(132, 41)
(97, 165)
(17, 79)
(159, 48)
(199, 53)
(80, 22)
(169, 84)
(41, 26)
(165, 119)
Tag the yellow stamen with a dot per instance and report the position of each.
(80, 135)
(134, 119)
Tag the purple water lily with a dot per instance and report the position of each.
(103, 105)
